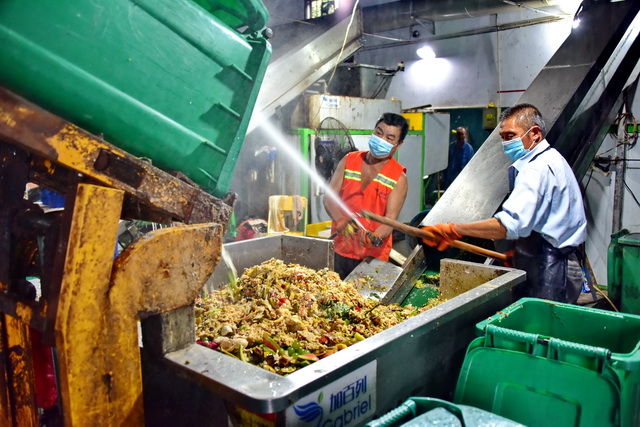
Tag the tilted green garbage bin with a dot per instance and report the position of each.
(174, 81)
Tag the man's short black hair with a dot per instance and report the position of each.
(528, 115)
(393, 119)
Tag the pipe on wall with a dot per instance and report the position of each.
(402, 14)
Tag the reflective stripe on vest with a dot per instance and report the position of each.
(387, 182)
(354, 175)
(380, 179)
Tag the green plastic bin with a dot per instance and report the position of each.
(171, 80)
(428, 411)
(420, 295)
(539, 358)
(623, 271)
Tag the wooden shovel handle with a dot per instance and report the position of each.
(418, 232)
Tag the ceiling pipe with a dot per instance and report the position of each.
(474, 32)
(402, 14)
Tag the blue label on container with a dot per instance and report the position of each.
(351, 400)
(330, 102)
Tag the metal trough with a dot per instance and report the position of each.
(307, 251)
(188, 383)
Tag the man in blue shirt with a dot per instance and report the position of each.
(543, 215)
(460, 152)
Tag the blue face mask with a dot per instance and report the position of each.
(379, 148)
(514, 149)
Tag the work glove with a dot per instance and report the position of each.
(443, 235)
(344, 226)
(364, 238)
(509, 261)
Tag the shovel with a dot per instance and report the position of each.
(418, 232)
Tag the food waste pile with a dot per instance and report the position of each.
(282, 317)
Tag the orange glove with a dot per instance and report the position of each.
(443, 235)
(341, 225)
(509, 261)
(365, 240)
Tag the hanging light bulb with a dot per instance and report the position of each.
(425, 52)
(576, 16)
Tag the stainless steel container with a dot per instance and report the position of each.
(421, 356)
(307, 251)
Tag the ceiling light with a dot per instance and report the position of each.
(425, 52)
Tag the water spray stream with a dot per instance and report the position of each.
(279, 138)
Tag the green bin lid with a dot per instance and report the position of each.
(632, 239)
(530, 389)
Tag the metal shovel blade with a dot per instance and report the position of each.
(379, 276)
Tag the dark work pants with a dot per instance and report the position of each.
(343, 265)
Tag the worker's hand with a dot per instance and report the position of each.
(343, 226)
(448, 231)
(437, 241)
(443, 235)
(364, 239)
(509, 261)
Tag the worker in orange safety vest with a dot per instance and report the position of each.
(368, 180)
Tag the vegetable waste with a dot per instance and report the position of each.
(282, 317)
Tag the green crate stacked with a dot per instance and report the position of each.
(544, 363)
(171, 80)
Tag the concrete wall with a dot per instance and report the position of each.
(470, 71)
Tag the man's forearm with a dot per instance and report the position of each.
(383, 231)
(332, 209)
(486, 229)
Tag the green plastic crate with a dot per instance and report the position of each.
(623, 274)
(171, 80)
(539, 357)
(428, 411)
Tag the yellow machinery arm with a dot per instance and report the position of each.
(90, 303)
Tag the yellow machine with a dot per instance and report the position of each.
(287, 214)
(90, 303)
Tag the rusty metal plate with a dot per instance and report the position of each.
(60, 142)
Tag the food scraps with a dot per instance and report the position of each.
(282, 317)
